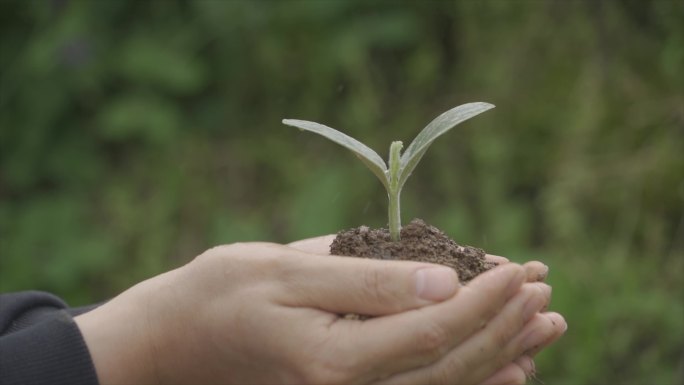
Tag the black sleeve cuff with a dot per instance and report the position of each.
(52, 351)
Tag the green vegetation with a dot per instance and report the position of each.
(400, 166)
(136, 134)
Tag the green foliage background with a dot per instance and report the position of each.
(136, 134)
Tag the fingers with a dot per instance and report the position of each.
(536, 271)
(317, 245)
(560, 327)
(496, 259)
(523, 367)
(515, 373)
(532, 336)
(507, 326)
(526, 363)
(501, 344)
(423, 336)
(362, 286)
(485, 352)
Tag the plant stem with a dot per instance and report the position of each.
(394, 213)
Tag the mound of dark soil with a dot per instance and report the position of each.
(419, 242)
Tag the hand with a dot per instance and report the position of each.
(265, 313)
(515, 372)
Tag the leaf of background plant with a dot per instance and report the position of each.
(435, 129)
(369, 157)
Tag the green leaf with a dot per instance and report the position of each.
(432, 131)
(369, 157)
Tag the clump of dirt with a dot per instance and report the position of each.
(419, 242)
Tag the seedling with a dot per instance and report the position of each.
(400, 165)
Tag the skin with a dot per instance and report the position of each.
(515, 372)
(267, 313)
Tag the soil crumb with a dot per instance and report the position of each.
(419, 242)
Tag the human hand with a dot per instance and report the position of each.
(265, 313)
(515, 372)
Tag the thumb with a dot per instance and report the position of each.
(366, 286)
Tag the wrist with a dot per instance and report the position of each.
(119, 337)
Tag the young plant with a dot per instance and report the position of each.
(400, 165)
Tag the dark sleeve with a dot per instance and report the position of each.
(40, 343)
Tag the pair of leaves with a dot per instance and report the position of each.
(414, 152)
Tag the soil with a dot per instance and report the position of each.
(419, 242)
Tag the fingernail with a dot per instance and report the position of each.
(436, 283)
(557, 318)
(544, 274)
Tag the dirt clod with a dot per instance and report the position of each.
(419, 242)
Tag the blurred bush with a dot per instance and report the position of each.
(136, 134)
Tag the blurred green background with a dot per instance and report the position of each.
(136, 134)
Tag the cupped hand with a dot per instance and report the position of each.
(266, 313)
(518, 370)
